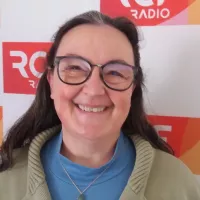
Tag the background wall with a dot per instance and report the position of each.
(170, 51)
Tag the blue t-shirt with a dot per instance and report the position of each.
(109, 186)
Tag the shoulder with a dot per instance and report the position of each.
(19, 158)
(20, 161)
(14, 179)
(170, 178)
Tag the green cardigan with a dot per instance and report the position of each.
(156, 175)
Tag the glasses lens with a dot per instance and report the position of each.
(73, 70)
(118, 76)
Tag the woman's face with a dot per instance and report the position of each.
(97, 44)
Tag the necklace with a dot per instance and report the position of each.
(82, 196)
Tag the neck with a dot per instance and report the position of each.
(89, 153)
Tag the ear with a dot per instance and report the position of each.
(50, 78)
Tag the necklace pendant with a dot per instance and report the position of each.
(81, 197)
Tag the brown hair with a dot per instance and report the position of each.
(42, 115)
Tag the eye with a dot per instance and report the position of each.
(74, 67)
(115, 73)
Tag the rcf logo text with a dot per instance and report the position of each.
(151, 9)
(144, 12)
(23, 66)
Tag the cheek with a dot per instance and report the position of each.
(122, 102)
(62, 92)
(63, 95)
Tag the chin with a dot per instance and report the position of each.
(90, 133)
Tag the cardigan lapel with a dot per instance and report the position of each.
(135, 188)
(37, 188)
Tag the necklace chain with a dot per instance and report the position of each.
(81, 192)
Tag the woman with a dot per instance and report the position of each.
(86, 135)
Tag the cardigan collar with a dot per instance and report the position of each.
(136, 183)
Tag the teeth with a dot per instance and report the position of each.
(89, 109)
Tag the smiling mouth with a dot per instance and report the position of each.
(91, 109)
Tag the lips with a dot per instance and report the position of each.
(91, 109)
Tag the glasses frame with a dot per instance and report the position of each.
(101, 67)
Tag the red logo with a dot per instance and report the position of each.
(23, 64)
(183, 134)
(144, 12)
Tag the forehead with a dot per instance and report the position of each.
(98, 43)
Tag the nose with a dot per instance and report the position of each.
(94, 85)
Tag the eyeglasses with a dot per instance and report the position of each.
(75, 70)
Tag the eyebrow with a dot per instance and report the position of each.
(77, 56)
(121, 61)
